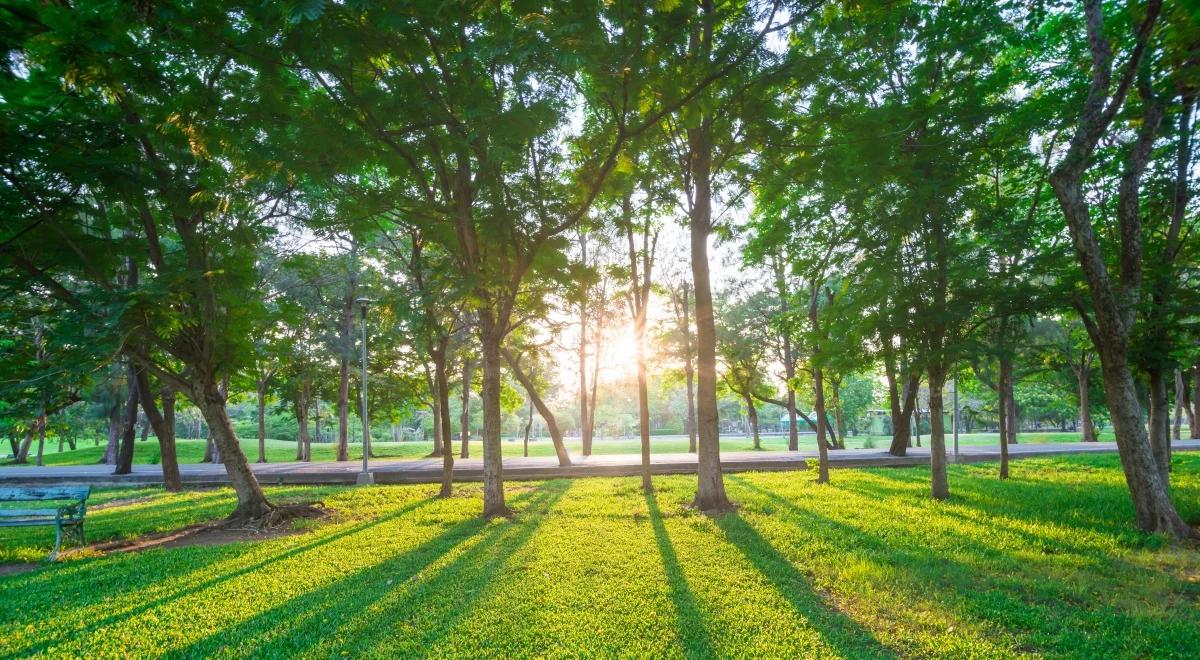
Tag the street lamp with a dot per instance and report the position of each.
(365, 477)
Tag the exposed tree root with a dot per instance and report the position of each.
(277, 517)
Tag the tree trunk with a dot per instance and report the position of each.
(317, 418)
(639, 299)
(710, 484)
(939, 482)
(1085, 408)
(302, 439)
(684, 298)
(490, 335)
(1005, 420)
(114, 422)
(899, 446)
(1011, 398)
(644, 416)
(252, 502)
(437, 423)
(164, 428)
(223, 390)
(41, 426)
(917, 426)
(585, 431)
(690, 376)
(128, 425)
(902, 405)
(789, 359)
(595, 385)
(262, 422)
(22, 455)
(1179, 395)
(441, 381)
(464, 423)
(1186, 396)
(1160, 420)
(564, 459)
(528, 428)
(818, 388)
(839, 428)
(819, 411)
(345, 353)
(1194, 412)
(752, 413)
(1151, 500)
(343, 404)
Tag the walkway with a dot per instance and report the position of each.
(428, 470)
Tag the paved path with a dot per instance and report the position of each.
(429, 470)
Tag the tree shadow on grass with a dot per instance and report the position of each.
(360, 610)
(97, 577)
(1086, 506)
(1031, 612)
(693, 631)
(450, 592)
(840, 632)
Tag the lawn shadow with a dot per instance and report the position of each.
(145, 578)
(328, 614)
(1065, 504)
(1030, 613)
(693, 629)
(843, 634)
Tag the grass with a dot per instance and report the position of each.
(192, 451)
(1045, 563)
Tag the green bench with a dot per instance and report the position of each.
(66, 518)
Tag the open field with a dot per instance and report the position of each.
(192, 451)
(1047, 562)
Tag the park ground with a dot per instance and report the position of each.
(192, 451)
(1045, 563)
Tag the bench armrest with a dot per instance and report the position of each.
(72, 511)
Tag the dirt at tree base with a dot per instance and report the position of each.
(272, 526)
(13, 569)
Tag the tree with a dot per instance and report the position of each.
(162, 143)
(742, 352)
(529, 381)
(707, 135)
(1072, 350)
(680, 337)
(1113, 315)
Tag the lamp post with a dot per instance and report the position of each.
(365, 477)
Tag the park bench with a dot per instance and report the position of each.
(66, 518)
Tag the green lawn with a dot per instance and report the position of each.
(192, 451)
(1046, 563)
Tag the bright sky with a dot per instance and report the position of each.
(619, 354)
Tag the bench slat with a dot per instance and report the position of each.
(29, 522)
(13, 513)
(45, 493)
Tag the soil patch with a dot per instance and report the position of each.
(221, 532)
(124, 501)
